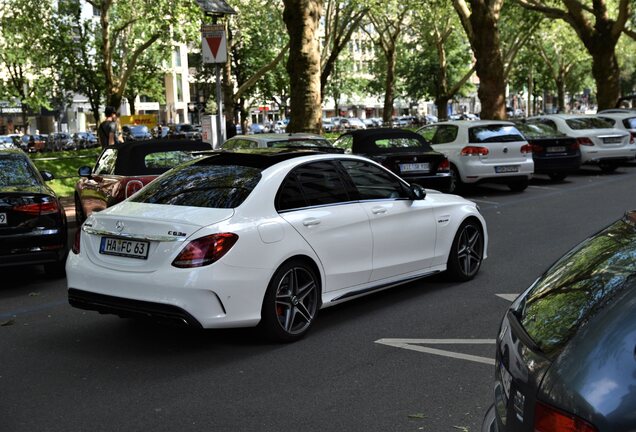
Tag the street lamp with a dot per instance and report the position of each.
(216, 9)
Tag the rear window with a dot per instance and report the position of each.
(401, 143)
(494, 133)
(581, 283)
(306, 142)
(15, 170)
(166, 160)
(213, 186)
(582, 123)
(539, 130)
(630, 123)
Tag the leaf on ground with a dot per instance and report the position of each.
(418, 416)
(7, 323)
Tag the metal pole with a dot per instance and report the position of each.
(219, 105)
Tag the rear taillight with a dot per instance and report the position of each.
(537, 149)
(444, 166)
(76, 241)
(474, 151)
(205, 250)
(632, 137)
(47, 207)
(526, 149)
(575, 145)
(133, 186)
(584, 141)
(550, 419)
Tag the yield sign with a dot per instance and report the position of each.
(419, 345)
(213, 43)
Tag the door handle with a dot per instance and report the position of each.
(378, 210)
(311, 222)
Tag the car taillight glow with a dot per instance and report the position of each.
(474, 151)
(537, 148)
(133, 186)
(76, 241)
(575, 145)
(526, 148)
(584, 141)
(205, 250)
(550, 419)
(632, 139)
(47, 207)
(444, 166)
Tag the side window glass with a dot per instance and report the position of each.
(373, 182)
(106, 163)
(290, 196)
(344, 142)
(445, 134)
(321, 184)
(428, 133)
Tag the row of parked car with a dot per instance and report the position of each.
(33, 143)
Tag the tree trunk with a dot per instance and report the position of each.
(387, 115)
(441, 104)
(560, 85)
(301, 18)
(606, 73)
(529, 107)
(227, 88)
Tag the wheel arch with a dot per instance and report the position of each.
(306, 259)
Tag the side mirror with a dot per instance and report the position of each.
(417, 192)
(85, 171)
(47, 176)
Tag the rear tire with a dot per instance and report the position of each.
(79, 211)
(467, 251)
(291, 302)
(456, 184)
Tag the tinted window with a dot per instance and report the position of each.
(239, 144)
(581, 123)
(373, 182)
(494, 133)
(214, 186)
(106, 162)
(396, 143)
(15, 170)
(428, 133)
(538, 130)
(445, 134)
(166, 160)
(319, 182)
(630, 123)
(578, 285)
(344, 142)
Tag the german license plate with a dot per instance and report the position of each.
(613, 140)
(415, 167)
(124, 247)
(507, 169)
(555, 149)
(3, 218)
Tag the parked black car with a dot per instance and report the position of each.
(404, 152)
(184, 130)
(59, 141)
(553, 152)
(566, 347)
(82, 140)
(136, 133)
(33, 226)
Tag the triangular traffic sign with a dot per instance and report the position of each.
(214, 42)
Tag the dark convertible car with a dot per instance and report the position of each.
(123, 169)
(402, 151)
(566, 347)
(33, 226)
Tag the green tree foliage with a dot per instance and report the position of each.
(25, 55)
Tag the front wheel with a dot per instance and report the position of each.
(466, 252)
(291, 302)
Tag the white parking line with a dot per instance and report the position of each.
(509, 297)
(414, 345)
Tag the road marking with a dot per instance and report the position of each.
(482, 201)
(509, 297)
(544, 187)
(414, 345)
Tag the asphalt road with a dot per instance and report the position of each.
(63, 369)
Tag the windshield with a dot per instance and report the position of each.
(213, 186)
(578, 285)
(581, 123)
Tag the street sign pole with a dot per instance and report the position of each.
(214, 50)
(219, 103)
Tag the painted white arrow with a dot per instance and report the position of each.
(416, 345)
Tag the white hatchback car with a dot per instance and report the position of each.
(238, 239)
(483, 151)
(599, 142)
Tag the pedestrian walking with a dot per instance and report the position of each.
(107, 130)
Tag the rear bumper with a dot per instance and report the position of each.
(127, 308)
(33, 247)
(548, 165)
(32, 257)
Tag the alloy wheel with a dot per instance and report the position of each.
(296, 300)
(469, 250)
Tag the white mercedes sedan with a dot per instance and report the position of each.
(268, 238)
